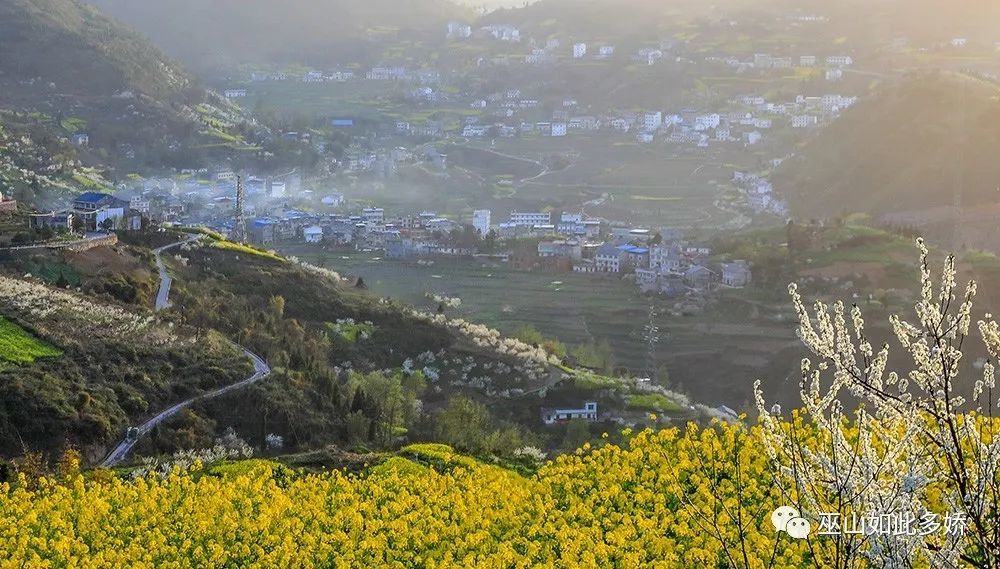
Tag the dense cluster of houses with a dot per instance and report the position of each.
(504, 115)
(832, 65)
(759, 194)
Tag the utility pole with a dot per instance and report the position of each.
(651, 334)
(239, 233)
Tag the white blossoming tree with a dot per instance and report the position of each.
(915, 461)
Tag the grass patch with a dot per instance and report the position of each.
(593, 382)
(246, 249)
(214, 235)
(653, 402)
(438, 454)
(19, 347)
(351, 331)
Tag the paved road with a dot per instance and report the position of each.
(261, 370)
(163, 294)
(121, 452)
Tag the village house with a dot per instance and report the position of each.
(554, 416)
(840, 60)
(569, 248)
(373, 215)
(235, 93)
(530, 219)
(699, 278)
(736, 274)
(503, 33)
(634, 257)
(608, 259)
(804, 121)
(262, 232)
(312, 234)
(648, 56)
(666, 259)
(97, 210)
(55, 220)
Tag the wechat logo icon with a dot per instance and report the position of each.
(787, 519)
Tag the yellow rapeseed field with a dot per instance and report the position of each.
(665, 499)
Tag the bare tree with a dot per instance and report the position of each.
(909, 477)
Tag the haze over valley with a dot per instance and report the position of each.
(414, 256)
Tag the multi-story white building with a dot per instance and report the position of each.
(608, 259)
(804, 121)
(530, 219)
(374, 215)
(579, 50)
(652, 120)
(559, 129)
(587, 413)
(137, 203)
(840, 60)
(481, 219)
(665, 259)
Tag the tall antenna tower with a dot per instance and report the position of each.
(239, 233)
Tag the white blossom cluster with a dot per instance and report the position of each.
(45, 306)
(533, 453)
(446, 301)
(490, 339)
(912, 429)
(317, 271)
(25, 162)
(190, 459)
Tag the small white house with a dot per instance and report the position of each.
(587, 413)
(313, 234)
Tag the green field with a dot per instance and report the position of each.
(19, 347)
(713, 357)
(659, 184)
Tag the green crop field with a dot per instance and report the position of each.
(17, 346)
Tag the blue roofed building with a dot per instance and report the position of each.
(634, 257)
(89, 201)
(97, 210)
(262, 232)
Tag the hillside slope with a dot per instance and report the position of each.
(74, 50)
(930, 141)
(66, 68)
(296, 31)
